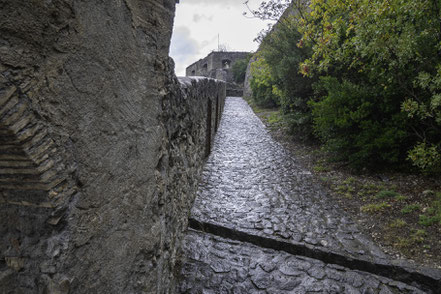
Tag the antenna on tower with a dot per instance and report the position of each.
(218, 43)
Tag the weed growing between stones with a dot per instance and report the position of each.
(372, 208)
(432, 214)
(410, 208)
(386, 194)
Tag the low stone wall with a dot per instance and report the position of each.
(234, 90)
(100, 146)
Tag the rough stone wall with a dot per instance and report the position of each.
(100, 149)
(247, 91)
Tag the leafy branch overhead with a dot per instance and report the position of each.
(268, 10)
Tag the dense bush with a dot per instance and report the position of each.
(239, 69)
(353, 123)
(265, 92)
(384, 56)
(284, 83)
(375, 66)
(283, 56)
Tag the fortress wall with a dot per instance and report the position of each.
(100, 148)
(214, 64)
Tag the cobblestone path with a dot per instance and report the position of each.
(261, 225)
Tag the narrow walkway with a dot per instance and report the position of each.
(261, 225)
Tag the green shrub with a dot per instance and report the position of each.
(375, 208)
(410, 208)
(239, 69)
(262, 84)
(358, 125)
(386, 194)
(398, 223)
(427, 221)
(425, 157)
(283, 56)
(376, 66)
(418, 236)
(433, 214)
(388, 53)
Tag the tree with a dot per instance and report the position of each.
(239, 69)
(375, 66)
(265, 92)
(283, 55)
(391, 49)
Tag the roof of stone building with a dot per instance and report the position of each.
(217, 52)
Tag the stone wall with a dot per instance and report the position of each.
(100, 148)
(212, 66)
(247, 91)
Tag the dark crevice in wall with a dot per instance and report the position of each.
(406, 275)
(217, 113)
(208, 129)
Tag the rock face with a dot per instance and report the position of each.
(100, 147)
(247, 91)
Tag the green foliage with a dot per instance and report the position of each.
(265, 92)
(388, 52)
(375, 207)
(274, 118)
(283, 56)
(425, 157)
(432, 215)
(357, 125)
(239, 69)
(386, 194)
(418, 236)
(428, 221)
(376, 68)
(399, 197)
(398, 223)
(410, 208)
(320, 168)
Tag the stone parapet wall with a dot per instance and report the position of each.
(100, 146)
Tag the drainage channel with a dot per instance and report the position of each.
(428, 281)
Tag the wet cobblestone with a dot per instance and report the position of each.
(251, 183)
(264, 226)
(217, 265)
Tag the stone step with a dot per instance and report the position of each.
(221, 265)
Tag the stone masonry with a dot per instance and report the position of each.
(101, 151)
(100, 146)
(217, 65)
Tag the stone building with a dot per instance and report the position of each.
(218, 65)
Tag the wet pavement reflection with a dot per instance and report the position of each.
(252, 186)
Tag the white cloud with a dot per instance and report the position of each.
(199, 17)
(183, 48)
(198, 23)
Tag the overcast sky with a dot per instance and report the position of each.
(198, 23)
